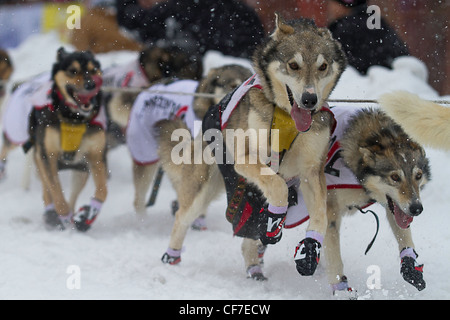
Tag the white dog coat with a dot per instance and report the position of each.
(18, 107)
(149, 108)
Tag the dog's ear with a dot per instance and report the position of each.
(368, 156)
(326, 33)
(61, 54)
(281, 28)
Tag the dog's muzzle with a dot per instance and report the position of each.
(83, 97)
(301, 115)
(402, 218)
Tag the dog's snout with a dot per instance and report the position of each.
(415, 209)
(309, 100)
(89, 84)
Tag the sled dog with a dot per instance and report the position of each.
(153, 64)
(67, 130)
(296, 70)
(370, 159)
(150, 108)
(425, 121)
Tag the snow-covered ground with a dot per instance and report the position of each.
(119, 258)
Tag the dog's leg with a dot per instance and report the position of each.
(410, 270)
(46, 196)
(97, 162)
(273, 186)
(193, 199)
(332, 249)
(48, 172)
(142, 177)
(338, 201)
(251, 258)
(79, 179)
(313, 188)
(96, 158)
(57, 213)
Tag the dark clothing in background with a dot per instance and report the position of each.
(228, 26)
(367, 47)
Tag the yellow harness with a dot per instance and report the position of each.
(285, 128)
(71, 136)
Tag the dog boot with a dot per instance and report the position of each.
(86, 215)
(307, 256)
(275, 217)
(410, 270)
(255, 272)
(54, 221)
(171, 256)
(342, 290)
(199, 224)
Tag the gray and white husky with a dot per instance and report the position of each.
(296, 70)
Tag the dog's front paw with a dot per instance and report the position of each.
(275, 218)
(85, 217)
(171, 256)
(307, 256)
(412, 272)
(172, 260)
(53, 221)
(255, 272)
(341, 290)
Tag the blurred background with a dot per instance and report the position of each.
(421, 24)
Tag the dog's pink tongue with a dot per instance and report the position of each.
(302, 118)
(85, 98)
(403, 220)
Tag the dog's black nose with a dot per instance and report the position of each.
(309, 100)
(89, 84)
(416, 208)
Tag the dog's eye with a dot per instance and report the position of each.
(72, 71)
(395, 177)
(419, 175)
(294, 66)
(323, 67)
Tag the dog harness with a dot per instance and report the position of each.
(149, 108)
(71, 134)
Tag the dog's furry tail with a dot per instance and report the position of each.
(426, 122)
